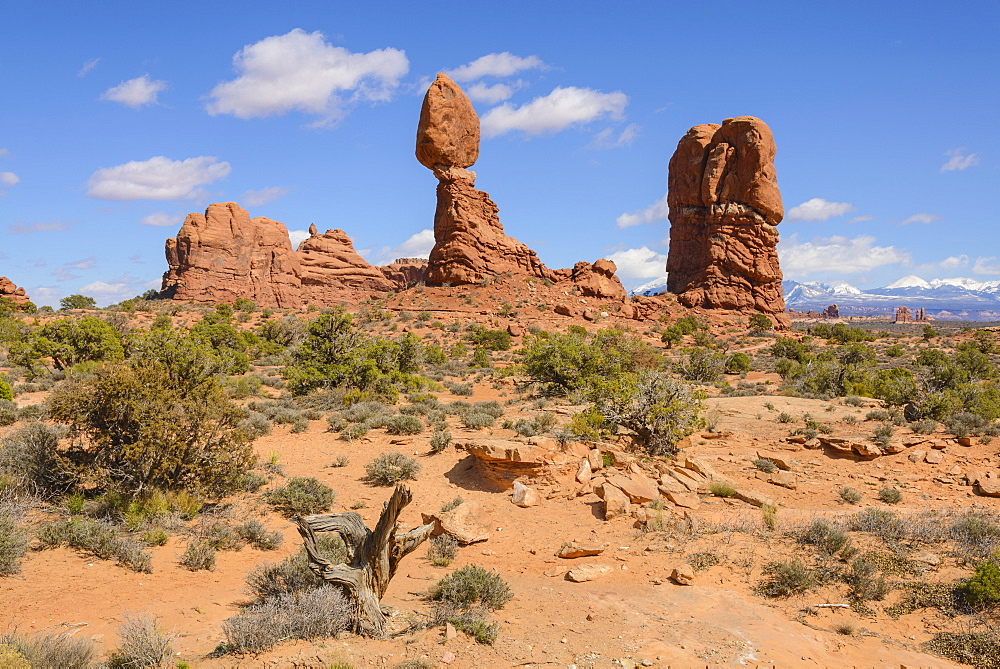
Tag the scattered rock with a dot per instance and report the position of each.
(682, 574)
(933, 458)
(572, 549)
(637, 487)
(461, 523)
(988, 487)
(616, 502)
(780, 459)
(587, 572)
(584, 472)
(450, 632)
(916, 456)
(524, 496)
(12, 292)
(683, 499)
(754, 498)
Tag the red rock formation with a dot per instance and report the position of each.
(470, 244)
(225, 255)
(598, 280)
(832, 311)
(331, 270)
(724, 209)
(903, 315)
(11, 292)
(405, 272)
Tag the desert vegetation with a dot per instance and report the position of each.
(153, 435)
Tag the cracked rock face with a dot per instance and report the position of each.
(724, 210)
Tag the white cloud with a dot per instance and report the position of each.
(136, 93)
(818, 209)
(83, 263)
(606, 139)
(503, 64)
(8, 179)
(836, 254)
(158, 178)
(418, 245)
(862, 219)
(297, 237)
(920, 218)
(4, 152)
(88, 66)
(959, 160)
(657, 211)
(161, 219)
(986, 266)
(639, 264)
(258, 198)
(302, 71)
(556, 111)
(491, 94)
(27, 229)
(107, 292)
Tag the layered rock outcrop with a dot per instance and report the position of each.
(724, 210)
(224, 255)
(331, 270)
(469, 241)
(12, 292)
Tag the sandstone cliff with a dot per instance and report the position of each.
(724, 210)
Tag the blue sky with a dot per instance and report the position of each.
(117, 119)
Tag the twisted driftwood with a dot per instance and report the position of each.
(372, 556)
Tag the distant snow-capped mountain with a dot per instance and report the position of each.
(654, 287)
(962, 296)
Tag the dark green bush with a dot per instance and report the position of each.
(471, 586)
(390, 468)
(302, 495)
(984, 586)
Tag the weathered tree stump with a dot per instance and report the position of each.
(372, 556)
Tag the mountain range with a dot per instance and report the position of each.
(945, 299)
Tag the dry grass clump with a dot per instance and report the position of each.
(142, 645)
(46, 650)
(98, 537)
(311, 614)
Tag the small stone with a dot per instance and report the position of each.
(682, 574)
(448, 657)
(933, 458)
(524, 496)
(916, 456)
(683, 499)
(449, 631)
(584, 472)
(587, 572)
(571, 549)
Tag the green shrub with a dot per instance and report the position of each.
(156, 423)
(890, 495)
(658, 409)
(472, 585)
(6, 393)
(199, 554)
(721, 489)
(293, 575)
(390, 468)
(442, 550)
(702, 365)
(984, 586)
(403, 424)
(850, 495)
(738, 363)
(765, 465)
(302, 495)
(440, 440)
(477, 420)
(784, 579)
(825, 536)
(98, 537)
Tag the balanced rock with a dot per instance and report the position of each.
(724, 210)
(469, 241)
(331, 270)
(12, 292)
(448, 132)
(224, 255)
